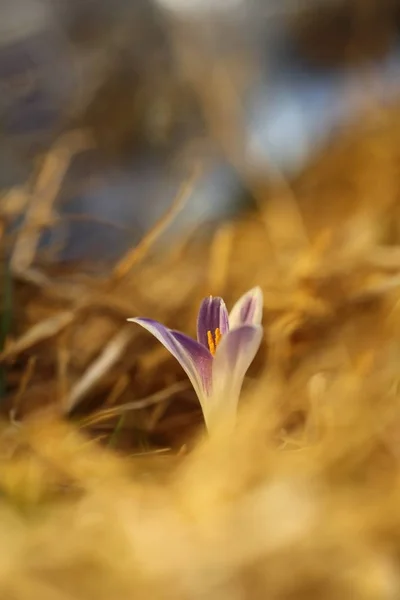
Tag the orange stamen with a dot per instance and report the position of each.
(211, 343)
(213, 340)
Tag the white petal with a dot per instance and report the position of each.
(234, 355)
(248, 309)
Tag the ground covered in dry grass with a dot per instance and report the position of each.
(109, 485)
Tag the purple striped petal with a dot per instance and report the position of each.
(212, 316)
(232, 359)
(192, 356)
(248, 309)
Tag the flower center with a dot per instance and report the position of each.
(213, 340)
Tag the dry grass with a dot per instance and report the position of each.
(303, 502)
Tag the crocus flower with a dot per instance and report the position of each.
(217, 362)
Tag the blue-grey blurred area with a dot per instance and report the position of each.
(119, 70)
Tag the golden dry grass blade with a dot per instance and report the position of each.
(14, 202)
(44, 330)
(40, 205)
(135, 256)
(219, 261)
(25, 380)
(117, 390)
(139, 404)
(99, 368)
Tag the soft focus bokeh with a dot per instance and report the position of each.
(154, 152)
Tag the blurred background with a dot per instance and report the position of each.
(157, 86)
(153, 152)
(156, 151)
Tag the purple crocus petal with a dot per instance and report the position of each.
(234, 355)
(192, 356)
(248, 309)
(212, 315)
